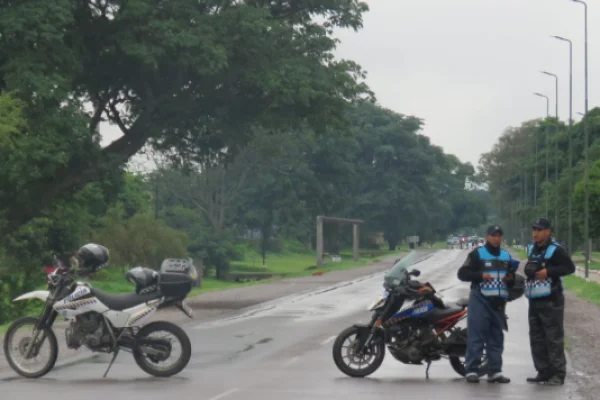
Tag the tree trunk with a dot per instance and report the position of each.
(392, 243)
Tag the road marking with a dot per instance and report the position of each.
(224, 394)
(329, 339)
(290, 361)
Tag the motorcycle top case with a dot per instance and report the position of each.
(177, 277)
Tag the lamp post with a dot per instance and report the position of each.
(555, 151)
(570, 234)
(586, 218)
(547, 115)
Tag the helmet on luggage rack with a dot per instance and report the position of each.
(144, 279)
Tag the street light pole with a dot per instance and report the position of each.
(546, 129)
(586, 218)
(555, 153)
(570, 195)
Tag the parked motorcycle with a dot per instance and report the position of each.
(102, 322)
(423, 332)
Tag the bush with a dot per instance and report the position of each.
(141, 240)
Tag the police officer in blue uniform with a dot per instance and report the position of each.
(491, 272)
(547, 263)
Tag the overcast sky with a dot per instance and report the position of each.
(469, 67)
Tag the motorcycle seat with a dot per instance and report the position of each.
(120, 302)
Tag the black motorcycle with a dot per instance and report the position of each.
(424, 332)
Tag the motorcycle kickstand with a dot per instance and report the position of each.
(427, 370)
(116, 353)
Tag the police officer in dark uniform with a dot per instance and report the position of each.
(491, 273)
(547, 263)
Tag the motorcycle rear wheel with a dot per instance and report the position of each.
(149, 363)
(375, 353)
(458, 365)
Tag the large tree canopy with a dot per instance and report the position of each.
(183, 74)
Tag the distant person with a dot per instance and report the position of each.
(491, 273)
(547, 263)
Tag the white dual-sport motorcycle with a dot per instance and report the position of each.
(104, 322)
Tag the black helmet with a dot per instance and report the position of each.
(93, 256)
(531, 268)
(517, 289)
(142, 278)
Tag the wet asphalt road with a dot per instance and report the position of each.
(283, 351)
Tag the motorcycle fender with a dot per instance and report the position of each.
(37, 294)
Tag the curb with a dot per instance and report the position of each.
(582, 270)
(270, 304)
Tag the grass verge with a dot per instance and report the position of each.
(519, 253)
(583, 289)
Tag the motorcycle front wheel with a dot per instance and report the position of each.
(352, 364)
(14, 348)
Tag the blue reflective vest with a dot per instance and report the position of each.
(535, 288)
(497, 267)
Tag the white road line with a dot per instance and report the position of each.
(329, 339)
(224, 394)
(290, 361)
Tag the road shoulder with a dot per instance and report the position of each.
(582, 319)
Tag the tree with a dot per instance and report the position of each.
(178, 75)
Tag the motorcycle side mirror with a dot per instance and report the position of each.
(415, 273)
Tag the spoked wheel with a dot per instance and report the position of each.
(352, 364)
(162, 349)
(30, 352)
(459, 366)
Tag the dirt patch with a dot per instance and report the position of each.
(582, 320)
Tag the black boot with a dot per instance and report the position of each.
(537, 379)
(554, 381)
(472, 377)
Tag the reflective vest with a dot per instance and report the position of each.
(535, 288)
(497, 267)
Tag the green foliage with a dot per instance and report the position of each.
(262, 130)
(170, 74)
(140, 240)
(594, 202)
(511, 167)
